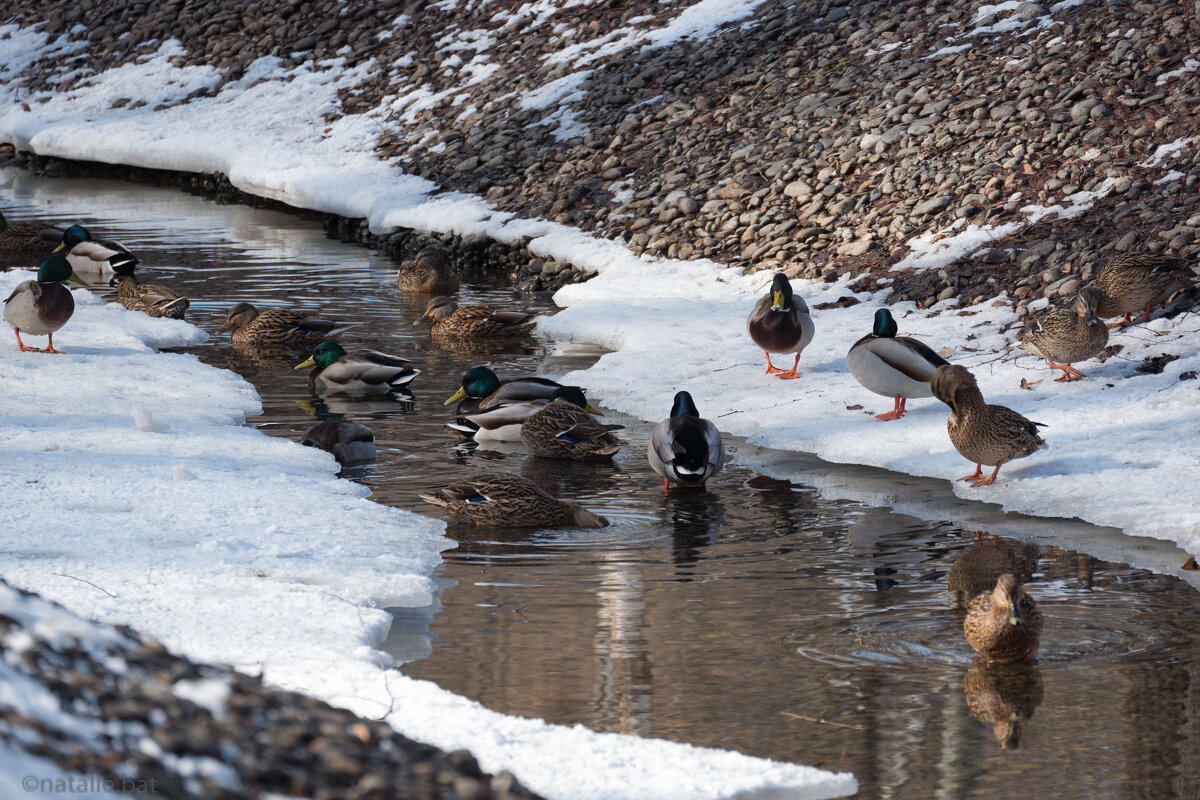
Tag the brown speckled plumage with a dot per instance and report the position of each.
(990, 626)
(564, 430)
(22, 244)
(508, 501)
(982, 433)
(1003, 696)
(154, 299)
(1132, 282)
(278, 327)
(450, 321)
(428, 272)
(1068, 335)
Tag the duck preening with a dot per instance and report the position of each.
(1068, 335)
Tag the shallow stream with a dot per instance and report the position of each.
(761, 616)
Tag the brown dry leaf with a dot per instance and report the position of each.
(946, 352)
(970, 349)
(1190, 564)
(998, 303)
(853, 408)
(1025, 384)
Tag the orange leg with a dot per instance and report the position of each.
(1069, 372)
(24, 347)
(666, 486)
(771, 368)
(1123, 323)
(1146, 312)
(895, 413)
(704, 486)
(989, 480)
(787, 376)
(50, 347)
(978, 473)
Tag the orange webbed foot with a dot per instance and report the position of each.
(889, 416)
(49, 350)
(978, 473)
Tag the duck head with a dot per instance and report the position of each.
(437, 309)
(683, 406)
(477, 382)
(239, 315)
(949, 382)
(73, 236)
(1007, 595)
(57, 269)
(323, 355)
(885, 324)
(574, 394)
(781, 293)
(1085, 304)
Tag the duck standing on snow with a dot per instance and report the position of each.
(982, 433)
(893, 366)
(565, 428)
(349, 442)
(494, 410)
(429, 272)
(336, 371)
(685, 449)
(275, 327)
(1004, 624)
(451, 321)
(1068, 334)
(42, 306)
(780, 323)
(508, 501)
(95, 256)
(153, 299)
(1134, 282)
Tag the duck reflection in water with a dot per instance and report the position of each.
(1003, 696)
(695, 519)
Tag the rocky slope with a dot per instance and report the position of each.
(814, 137)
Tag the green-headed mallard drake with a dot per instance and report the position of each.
(493, 410)
(22, 243)
(565, 428)
(1068, 334)
(451, 321)
(780, 323)
(1134, 282)
(1004, 624)
(90, 256)
(428, 272)
(277, 327)
(982, 433)
(508, 501)
(42, 306)
(336, 371)
(894, 366)
(153, 299)
(685, 449)
(1003, 696)
(349, 442)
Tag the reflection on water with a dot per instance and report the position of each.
(758, 616)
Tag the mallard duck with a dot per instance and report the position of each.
(780, 323)
(42, 306)
(685, 449)
(428, 272)
(508, 501)
(22, 243)
(565, 428)
(1068, 334)
(493, 410)
(95, 256)
(359, 372)
(982, 433)
(976, 569)
(449, 320)
(1134, 282)
(349, 442)
(153, 299)
(1004, 624)
(1003, 696)
(893, 366)
(280, 327)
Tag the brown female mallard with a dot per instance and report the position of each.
(1068, 334)
(22, 243)
(279, 327)
(1004, 624)
(780, 323)
(977, 568)
(982, 433)
(428, 272)
(42, 306)
(503, 500)
(565, 428)
(449, 320)
(1134, 282)
(153, 299)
